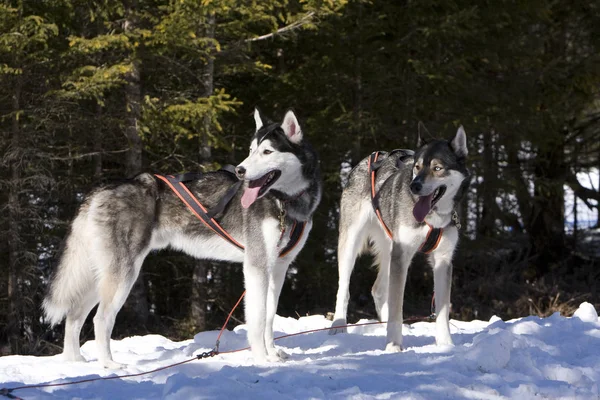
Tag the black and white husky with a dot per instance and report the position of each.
(415, 194)
(118, 225)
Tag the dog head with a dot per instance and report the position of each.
(439, 173)
(274, 162)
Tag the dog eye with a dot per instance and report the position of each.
(437, 168)
(417, 167)
(267, 152)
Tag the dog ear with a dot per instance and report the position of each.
(291, 127)
(423, 135)
(257, 119)
(459, 143)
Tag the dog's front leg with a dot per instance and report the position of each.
(263, 285)
(400, 261)
(380, 288)
(256, 279)
(441, 262)
(276, 278)
(442, 277)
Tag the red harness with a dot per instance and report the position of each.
(177, 184)
(434, 236)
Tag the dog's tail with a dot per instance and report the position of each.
(71, 281)
(369, 246)
(55, 310)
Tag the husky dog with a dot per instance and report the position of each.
(416, 192)
(118, 225)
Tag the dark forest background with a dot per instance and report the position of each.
(92, 91)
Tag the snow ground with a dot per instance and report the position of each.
(526, 358)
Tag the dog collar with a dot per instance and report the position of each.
(432, 240)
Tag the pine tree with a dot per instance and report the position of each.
(24, 48)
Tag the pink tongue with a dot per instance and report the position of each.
(251, 192)
(249, 196)
(422, 207)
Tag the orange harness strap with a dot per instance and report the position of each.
(372, 160)
(177, 185)
(434, 236)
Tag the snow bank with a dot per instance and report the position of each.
(546, 358)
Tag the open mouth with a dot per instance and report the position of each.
(258, 187)
(425, 203)
(437, 194)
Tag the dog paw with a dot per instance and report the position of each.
(338, 323)
(268, 359)
(110, 364)
(278, 353)
(393, 348)
(275, 358)
(74, 357)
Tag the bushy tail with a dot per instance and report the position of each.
(54, 309)
(71, 282)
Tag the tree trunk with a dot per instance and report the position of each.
(487, 222)
(205, 152)
(575, 222)
(14, 212)
(598, 188)
(546, 225)
(358, 88)
(515, 171)
(133, 98)
(201, 267)
(138, 299)
(97, 143)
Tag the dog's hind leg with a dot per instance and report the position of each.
(114, 290)
(352, 237)
(74, 322)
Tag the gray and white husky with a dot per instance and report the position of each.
(118, 225)
(415, 191)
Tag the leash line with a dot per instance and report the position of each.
(226, 321)
(7, 392)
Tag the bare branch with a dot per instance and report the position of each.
(302, 21)
(79, 156)
(582, 192)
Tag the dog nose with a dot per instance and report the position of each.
(416, 187)
(240, 171)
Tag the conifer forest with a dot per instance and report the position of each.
(92, 92)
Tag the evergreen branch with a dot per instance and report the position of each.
(302, 21)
